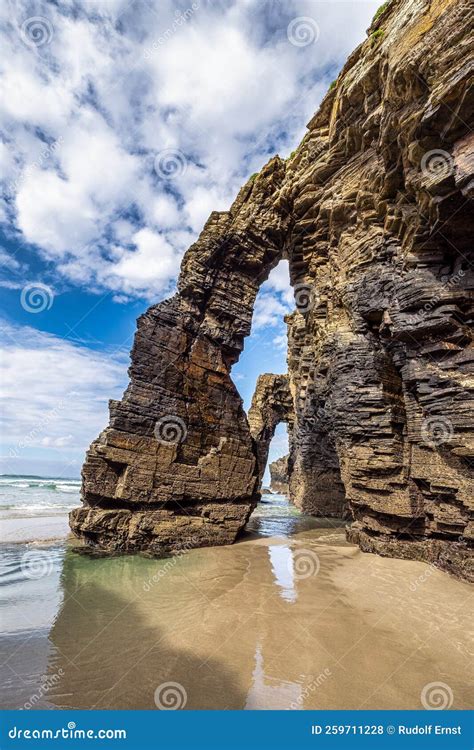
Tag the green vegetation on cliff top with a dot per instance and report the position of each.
(380, 10)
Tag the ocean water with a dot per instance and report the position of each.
(291, 616)
(37, 496)
(37, 503)
(35, 509)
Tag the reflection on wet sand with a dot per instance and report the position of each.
(250, 626)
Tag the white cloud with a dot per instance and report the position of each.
(54, 393)
(226, 88)
(280, 342)
(200, 203)
(164, 211)
(27, 98)
(269, 311)
(8, 261)
(53, 213)
(59, 442)
(150, 268)
(274, 300)
(279, 281)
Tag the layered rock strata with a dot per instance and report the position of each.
(272, 403)
(374, 213)
(279, 475)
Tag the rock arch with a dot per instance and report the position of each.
(272, 403)
(314, 479)
(177, 465)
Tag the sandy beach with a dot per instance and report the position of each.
(290, 617)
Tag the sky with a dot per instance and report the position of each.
(123, 124)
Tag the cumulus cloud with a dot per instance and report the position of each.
(149, 268)
(84, 116)
(54, 395)
(269, 311)
(274, 300)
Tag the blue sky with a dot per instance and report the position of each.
(123, 124)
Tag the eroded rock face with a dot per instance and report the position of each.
(272, 403)
(279, 475)
(381, 360)
(374, 212)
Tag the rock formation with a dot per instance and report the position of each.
(272, 403)
(279, 475)
(177, 466)
(374, 213)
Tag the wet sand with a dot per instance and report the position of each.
(33, 529)
(290, 617)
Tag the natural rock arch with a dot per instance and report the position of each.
(177, 465)
(314, 478)
(272, 403)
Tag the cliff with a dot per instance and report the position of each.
(374, 213)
